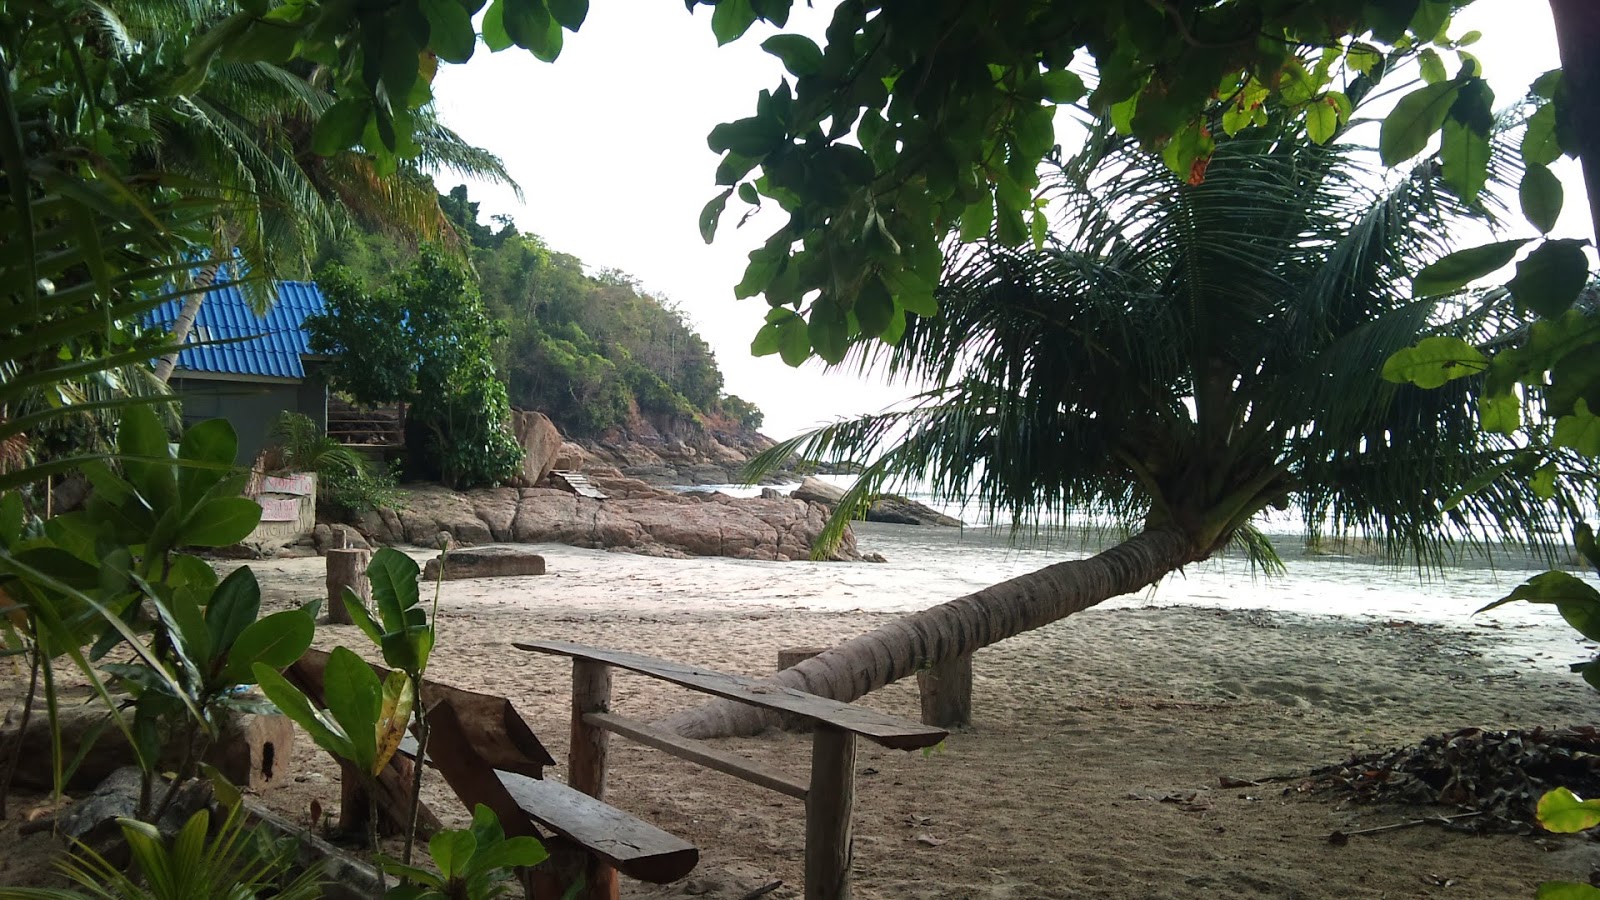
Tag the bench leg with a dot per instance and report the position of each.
(829, 806)
(586, 761)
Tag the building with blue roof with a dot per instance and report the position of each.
(246, 367)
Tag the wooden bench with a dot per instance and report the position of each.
(488, 754)
(829, 795)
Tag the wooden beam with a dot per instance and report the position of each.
(639, 849)
(586, 760)
(700, 752)
(890, 731)
(828, 814)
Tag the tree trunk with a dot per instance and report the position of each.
(184, 323)
(956, 628)
(1578, 36)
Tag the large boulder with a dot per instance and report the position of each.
(897, 510)
(815, 490)
(540, 441)
(570, 458)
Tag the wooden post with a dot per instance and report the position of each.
(828, 813)
(586, 760)
(946, 690)
(347, 569)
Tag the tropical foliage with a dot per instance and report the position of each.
(424, 340)
(347, 482)
(590, 351)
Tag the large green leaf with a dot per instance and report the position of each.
(210, 447)
(1414, 121)
(1435, 361)
(394, 577)
(233, 607)
(340, 126)
(570, 13)
(1456, 271)
(294, 704)
(1564, 812)
(451, 851)
(355, 699)
(510, 853)
(450, 31)
(275, 641)
(1550, 279)
(146, 458)
(731, 19)
(399, 693)
(1541, 197)
(799, 54)
(1578, 602)
(222, 522)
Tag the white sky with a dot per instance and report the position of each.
(609, 147)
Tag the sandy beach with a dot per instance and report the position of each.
(1100, 745)
(1095, 761)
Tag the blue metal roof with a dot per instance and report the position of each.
(276, 342)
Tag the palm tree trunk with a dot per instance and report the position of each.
(866, 663)
(184, 323)
(1578, 36)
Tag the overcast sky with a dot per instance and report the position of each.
(609, 147)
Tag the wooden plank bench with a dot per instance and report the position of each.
(829, 795)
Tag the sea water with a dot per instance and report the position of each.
(928, 565)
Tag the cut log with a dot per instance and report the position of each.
(946, 690)
(255, 752)
(347, 568)
(829, 809)
(87, 730)
(586, 761)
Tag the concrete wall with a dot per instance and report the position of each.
(252, 407)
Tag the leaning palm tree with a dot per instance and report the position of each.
(1180, 358)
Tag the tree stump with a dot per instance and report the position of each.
(347, 569)
(946, 690)
(254, 751)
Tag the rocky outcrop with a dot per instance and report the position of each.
(815, 490)
(541, 443)
(637, 518)
(485, 562)
(897, 510)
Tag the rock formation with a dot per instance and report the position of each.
(541, 444)
(637, 517)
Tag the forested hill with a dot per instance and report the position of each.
(599, 355)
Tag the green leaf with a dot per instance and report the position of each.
(1435, 361)
(355, 699)
(1456, 271)
(214, 445)
(1540, 145)
(1543, 481)
(1564, 812)
(1464, 159)
(570, 13)
(495, 36)
(275, 641)
(731, 19)
(794, 341)
(1550, 279)
(340, 126)
(142, 444)
(1322, 122)
(398, 695)
(234, 605)
(1362, 57)
(356, 608)
(1063, 86)
(798, 53)
(220, 523)
(1500, 414)
(1432, 66)
(1579, 431)
(978, 218)
(1545, 85)
(1577, 602)
(394, 586)
(1414, 120)
(292, 703)
(525, 21)
(1566, 890)
(451, 851)
(828, 331)
(1541, 196)
(874, 307)
(511, 853)
(450, 31)
(712, 213)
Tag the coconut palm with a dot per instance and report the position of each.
(1180, 358)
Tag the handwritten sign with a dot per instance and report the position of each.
(279, 510)
(298, 485)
